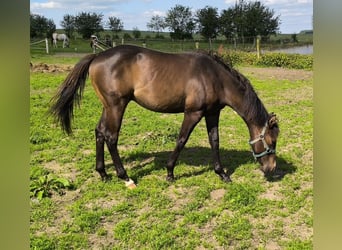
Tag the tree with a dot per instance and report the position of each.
(51, 28)
(68, 24)
(248, 20)
(136, 33)
(227, 23)
(208, 22)
(41, 27)
(181, 22)
(115, 25)
(294, 38)
(88, 24)
(233, 21)
(156, 24)
(260, 21)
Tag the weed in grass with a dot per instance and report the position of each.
(43, 186)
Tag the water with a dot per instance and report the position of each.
(304, 50)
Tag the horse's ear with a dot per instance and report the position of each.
(272, 120)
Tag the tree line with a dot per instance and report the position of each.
(245, 20)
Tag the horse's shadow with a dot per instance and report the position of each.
(200, 158)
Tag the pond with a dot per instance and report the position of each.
(304, 50)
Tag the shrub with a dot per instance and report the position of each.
(292, 61)
(240, 58)
(127, 36)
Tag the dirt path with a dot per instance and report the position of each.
(277, 73)
(50, 68)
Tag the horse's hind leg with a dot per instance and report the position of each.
(99, 135)
(213, 134)
(112, 118)
(189, 122)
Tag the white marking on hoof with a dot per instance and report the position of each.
(130, 184)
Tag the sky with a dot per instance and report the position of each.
(295, 15)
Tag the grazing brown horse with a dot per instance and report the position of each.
(197, 84)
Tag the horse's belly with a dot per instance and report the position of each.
(163, 102)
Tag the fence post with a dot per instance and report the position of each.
(47, 45)
(258, 46)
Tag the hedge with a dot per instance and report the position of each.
(291, 61)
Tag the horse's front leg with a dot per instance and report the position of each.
(213, 134)
(189, 123)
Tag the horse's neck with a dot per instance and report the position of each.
(240, 95)
(253, 113)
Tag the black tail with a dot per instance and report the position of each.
(71, 90)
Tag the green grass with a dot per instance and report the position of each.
(198, 210)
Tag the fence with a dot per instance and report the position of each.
(38, 45)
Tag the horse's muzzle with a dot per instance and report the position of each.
(269, 169)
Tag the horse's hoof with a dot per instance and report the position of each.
(130, 184)
(106, 178)
(226, 179)
(275, 175)
(170, 178)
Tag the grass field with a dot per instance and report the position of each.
(198, 210)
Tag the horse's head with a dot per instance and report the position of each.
(67, 41)
(264, 146)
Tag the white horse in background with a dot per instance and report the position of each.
(60, 37)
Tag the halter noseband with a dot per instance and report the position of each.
(261, 137)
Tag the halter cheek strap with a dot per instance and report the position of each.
(261, 138)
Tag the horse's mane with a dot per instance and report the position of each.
(253, 108)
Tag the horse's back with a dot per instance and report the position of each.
(163, 82)
(62, 37)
